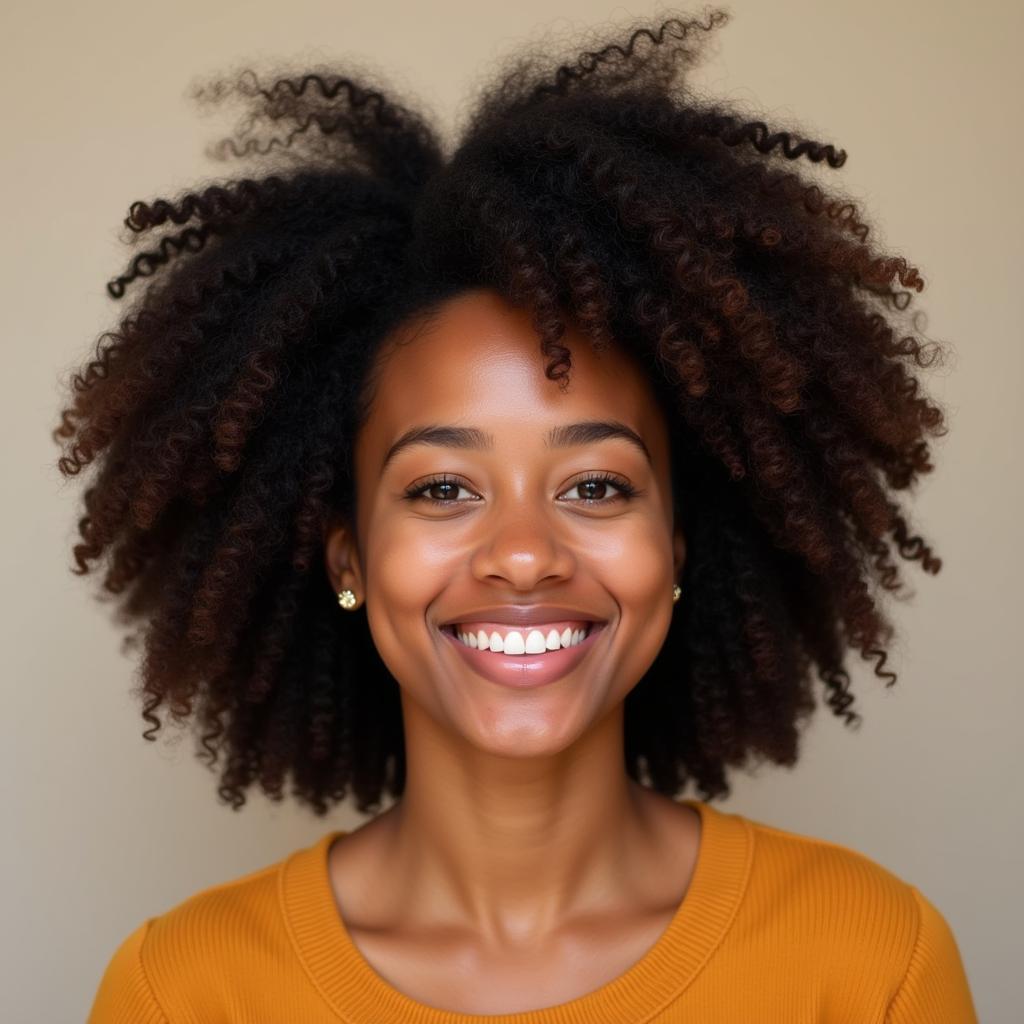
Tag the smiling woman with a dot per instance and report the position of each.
(524, 519)
(592, 429)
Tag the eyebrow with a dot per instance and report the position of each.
(564, 436)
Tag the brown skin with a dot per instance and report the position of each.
(520, 855)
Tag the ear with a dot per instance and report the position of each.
(678, 553)
(341, 555)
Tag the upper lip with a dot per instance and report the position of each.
(523, 615)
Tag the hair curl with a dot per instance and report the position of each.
(222, 410)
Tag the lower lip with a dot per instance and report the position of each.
(524, 671)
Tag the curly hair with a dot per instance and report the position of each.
(222, 411)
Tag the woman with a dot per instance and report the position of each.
(592, 428)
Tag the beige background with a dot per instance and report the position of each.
(102, 829)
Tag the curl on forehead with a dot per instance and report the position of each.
(476, 358)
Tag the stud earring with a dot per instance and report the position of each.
(676, 592)
(347, 599)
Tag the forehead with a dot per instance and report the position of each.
(477, 362)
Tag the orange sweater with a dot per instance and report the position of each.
(774, 927)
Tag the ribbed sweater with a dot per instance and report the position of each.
(774, 927)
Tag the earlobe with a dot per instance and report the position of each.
(342, 559)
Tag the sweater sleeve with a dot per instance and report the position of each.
(124, 995)
(934, 989)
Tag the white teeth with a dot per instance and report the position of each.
(535, 642)
(514, 643)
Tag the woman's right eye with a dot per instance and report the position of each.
(441, 484)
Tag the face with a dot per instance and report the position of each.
(473, 528)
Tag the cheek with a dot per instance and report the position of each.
(638, 576)
(634, 563)
(406, 570)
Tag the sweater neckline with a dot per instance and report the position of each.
(359, 995)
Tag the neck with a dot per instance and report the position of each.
(509, 848)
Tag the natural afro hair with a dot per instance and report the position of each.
(603, 191)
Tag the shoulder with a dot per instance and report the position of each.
(854, 923)
(826, 887)
(803, 866)
(194, 953)
(216, 915)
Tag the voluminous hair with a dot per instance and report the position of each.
(602, 192)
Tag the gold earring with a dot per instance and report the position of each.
(347, 599)
(676, 592)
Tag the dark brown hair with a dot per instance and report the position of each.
(220, 414)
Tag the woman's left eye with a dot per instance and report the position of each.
(601, 483)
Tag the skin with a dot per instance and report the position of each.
(520, 855)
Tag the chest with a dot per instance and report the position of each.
(451, 973)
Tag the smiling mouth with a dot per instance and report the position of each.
(521, 671)
(524, 641)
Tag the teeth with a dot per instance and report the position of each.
(535, 642)
(514, 643)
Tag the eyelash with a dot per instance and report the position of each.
(626, 489)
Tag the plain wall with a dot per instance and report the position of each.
(103, 829)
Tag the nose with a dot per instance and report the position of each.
(523, 549)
